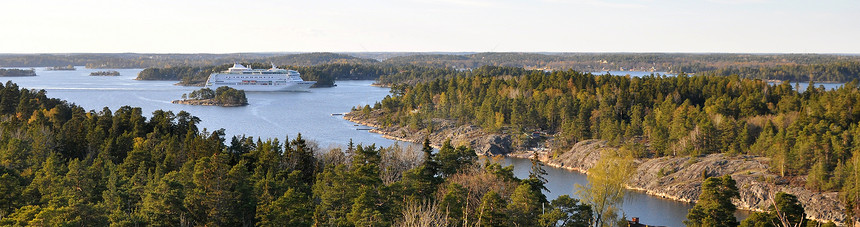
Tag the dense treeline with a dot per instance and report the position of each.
(325, 74)
(828, 72)
(416, 74)
(105, 73)
(50, 60)
(188, 75)
(61, 68)
(17, 72)
(311, 59)
(201, 60)
(223, 95)
(131, 60)
(63, 166)
(586, 62)
(596, 62)
(814, 132)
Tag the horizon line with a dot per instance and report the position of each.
(431, 52)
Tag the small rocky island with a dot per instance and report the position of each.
(105, 73)
(61, 68)
(17, 72)
(222, 96)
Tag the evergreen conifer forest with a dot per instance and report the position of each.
(61, 165)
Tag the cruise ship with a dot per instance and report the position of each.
(244, 78)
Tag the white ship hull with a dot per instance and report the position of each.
(290, 86)
(274, 79)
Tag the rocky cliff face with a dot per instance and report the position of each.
(680, 178)
(677, 178)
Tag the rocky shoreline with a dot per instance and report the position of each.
(207, 102)
(483, 143)
(680, 178)
(676, 178)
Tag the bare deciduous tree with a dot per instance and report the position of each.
(396, 160)
(422, 214)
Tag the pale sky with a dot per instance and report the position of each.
(222, 26)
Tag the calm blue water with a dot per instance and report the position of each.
(269, 115)
(280, 114)
(801, 87)
(651, 210)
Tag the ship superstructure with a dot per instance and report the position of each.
(248, 79)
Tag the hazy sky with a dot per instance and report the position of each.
(221, 26)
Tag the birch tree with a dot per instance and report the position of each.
(605, 189)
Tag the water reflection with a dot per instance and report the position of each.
(650, 209)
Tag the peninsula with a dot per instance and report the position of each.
(679, 130)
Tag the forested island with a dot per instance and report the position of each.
(61, 68)
(17, 72)
(105, 73)
(807, 142)
(221, 96)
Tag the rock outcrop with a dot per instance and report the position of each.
(484, 143)
(677, 178)
(680, 178)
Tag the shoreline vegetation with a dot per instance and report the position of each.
(105, 73)
(781, 140)
(675, 179)
(223, 96)
(17, 72)
(783, 67)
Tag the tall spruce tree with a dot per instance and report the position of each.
(715, 207)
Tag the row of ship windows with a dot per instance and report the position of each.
(249, 77)
(248, 83)
(262, 73)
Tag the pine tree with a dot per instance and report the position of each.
(365, 212)
(492, 211)
(451, 159)
(290, 209)
(566, 212)
(335, 189)
(453, 203)
(163, 202)
(715, 207)
(10, 191)
(525, 206)
(536, 179)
